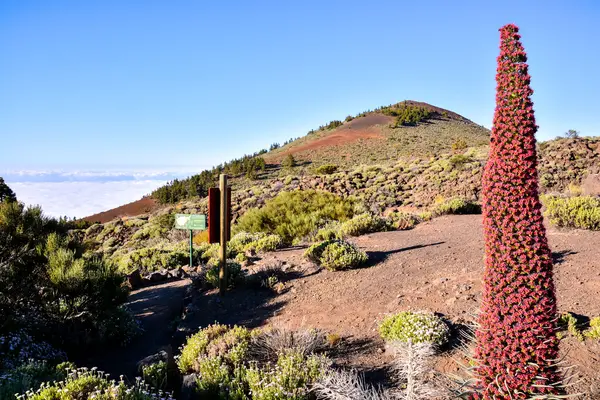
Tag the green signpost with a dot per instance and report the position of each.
(191, 222)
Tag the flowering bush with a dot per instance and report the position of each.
(84, 384)
(415, 327)
(227, 368)
(156, 375)
(29, 376)
(290, 378)
(16, 348)
(517, 346)
(228, 343)
(336, 255)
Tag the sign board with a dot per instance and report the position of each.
(190, 221)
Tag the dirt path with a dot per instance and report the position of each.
(156, 307)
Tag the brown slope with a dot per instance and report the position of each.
(368, 138)
(142, 206)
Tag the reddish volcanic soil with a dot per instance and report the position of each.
(142, 206)
(359, 128)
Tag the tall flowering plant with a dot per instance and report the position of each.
(517, 346)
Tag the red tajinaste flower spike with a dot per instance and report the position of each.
(516, 342)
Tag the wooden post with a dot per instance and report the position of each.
(191, 248)
(223, 273)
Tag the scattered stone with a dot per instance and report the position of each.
(188, 388)
(158, 276)
(591, 185)
(135, 279)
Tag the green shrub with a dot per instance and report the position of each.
(229, 343)
(234, 270)
(363, 224)
(290, 378)
(326, 169)
(568, 321)
(288, 162)
(294, 215)
(594, 331)
(403, 221)
(416, 327)
(330, 231)
(457, 160)
(156, 375)
(84, 384)
(581, 212)
(459, 144)
(457, 206)
(336, 255)
(152, 259)
(29, 377)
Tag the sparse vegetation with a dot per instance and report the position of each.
(415, 327)
(288, 162)
(336, 255)
(581, 212)
(326, 169)
(457, 206)
(84, 384)
(240, 364)
(364, 223)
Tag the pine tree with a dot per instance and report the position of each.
(6, 192)
(517, 346)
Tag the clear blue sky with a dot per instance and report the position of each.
(118, 83)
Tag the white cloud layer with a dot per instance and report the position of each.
(80, 199)
(83, 193)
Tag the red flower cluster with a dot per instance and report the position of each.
(517, 347)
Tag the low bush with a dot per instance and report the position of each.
(260, 242)
(416, 327)
(152, 258)
(331, 231)
(156, 375)
(228, 343)
(567, 321)
(290, 378)
(294, 215)
(234, 363)
(234, 269)
(459, 144)
(29, 377)
(267, 344)
(403, 221)
(326, 169)
(581, 212)
(457, 206)
(363, 224)
(594, 331)
(336, 255)
(84, 384)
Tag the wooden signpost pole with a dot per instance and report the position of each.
(191, 248)
(223, 273)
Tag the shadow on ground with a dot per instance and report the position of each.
(379, 256)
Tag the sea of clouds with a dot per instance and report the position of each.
(82, 193)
